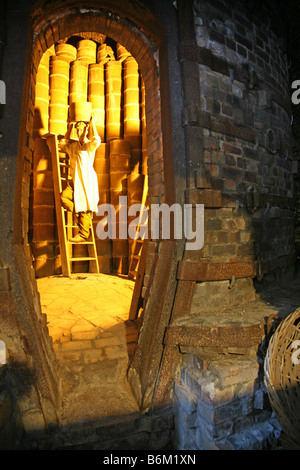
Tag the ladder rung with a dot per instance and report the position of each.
(136, 256)
(133, 272)
(65, 164)
(82, 259)
(81, 243)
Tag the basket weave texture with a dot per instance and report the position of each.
(282, 378)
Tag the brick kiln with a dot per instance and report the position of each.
(88, 72)
(194, 97)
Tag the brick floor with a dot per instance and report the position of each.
(93, 339)
(87, 316)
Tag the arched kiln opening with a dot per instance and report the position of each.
(122, 81)
(89, 68)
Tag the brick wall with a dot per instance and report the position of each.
(237, 121)
(239, 135)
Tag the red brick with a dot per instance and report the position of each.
(210, 143)
(115, 29)
(4, 279)
(131, 40)
(55, 31)
(183, 300)
(42, 180)
(144, 56)
(137, 46)
(44, 215)
(43, 197)
(230, 185)
(43, 232)
(124, 37)
(44, 267)
(232, 149)
(42, 41)
(48, 35)
(44, 249)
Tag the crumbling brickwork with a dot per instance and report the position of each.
(220, 404)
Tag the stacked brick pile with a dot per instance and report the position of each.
(220, 404)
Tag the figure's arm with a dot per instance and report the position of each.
(62, 144)
(94, 138)
(65, 141)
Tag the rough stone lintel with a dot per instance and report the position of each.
(209, 271)
(214, 336)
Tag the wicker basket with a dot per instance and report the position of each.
(282, 378)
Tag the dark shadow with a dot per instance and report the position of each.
(21, 380)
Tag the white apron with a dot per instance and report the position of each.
(82, 156)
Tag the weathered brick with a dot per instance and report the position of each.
(231, 372)
(4, 279)
(106, 342)
(92, 355)
(232, 149)
(76, 345)
(223, 250)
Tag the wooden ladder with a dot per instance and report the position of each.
(138, 262)
(137, 245)
(65, 224)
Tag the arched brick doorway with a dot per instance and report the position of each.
(133, 26)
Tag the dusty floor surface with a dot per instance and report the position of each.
(93, 339)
